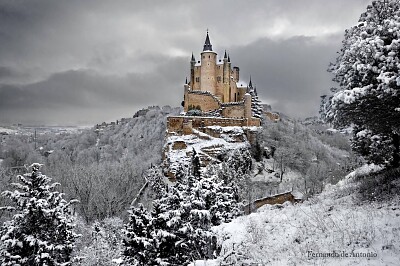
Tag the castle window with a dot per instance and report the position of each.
(197, 79)
(204, 57)
(219, 79)
(209, 57)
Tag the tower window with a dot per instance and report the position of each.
(219, 79)
(197, 79)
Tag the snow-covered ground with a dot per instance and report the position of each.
(7, 130)
(333, 228)
(28, 130)
(203, 144)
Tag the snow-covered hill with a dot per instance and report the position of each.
(332, 228)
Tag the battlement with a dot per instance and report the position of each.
(184, 125)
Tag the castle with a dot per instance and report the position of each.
(215, 95)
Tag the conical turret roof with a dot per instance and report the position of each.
(207, 44)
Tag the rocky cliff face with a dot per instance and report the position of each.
(210, 143)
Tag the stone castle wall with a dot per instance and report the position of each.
(176, 123)
(236, 110)
(207, 101)
(183, 124)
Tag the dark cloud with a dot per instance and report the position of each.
(88, 61)
(290, 74)
(87, 96)
(6, 72)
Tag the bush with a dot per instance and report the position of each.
(380, 186)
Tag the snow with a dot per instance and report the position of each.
(200, 141)
(118, 261)
(334, 221)
(241, 84)
(398, 81)
(205, 263)
(365, 169)
(7, 130)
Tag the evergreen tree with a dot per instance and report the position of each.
(40, 232)
(169, 227)
(367, 71)
(182, 217)
(256, 108)
(138, 243)
(220, 200)
(195, 164)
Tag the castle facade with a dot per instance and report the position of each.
(216, 76)
(215, 95)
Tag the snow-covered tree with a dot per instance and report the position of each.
(170, 226)
(256, 108)
(181, 218)
(195, 164)
(41, 231)
(139, 248)
(100, 244)
(220, 199)
(368, 72)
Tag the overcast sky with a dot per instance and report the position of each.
(84, 62)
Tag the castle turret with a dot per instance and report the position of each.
(247, 105)
(236, 73)
(250, 84)
(185, 95)
(207, 44)
(208, 67)
(226, 79)
(192, 64)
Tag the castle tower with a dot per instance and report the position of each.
(226, 79)
(192, 64)
(208, 67)
(236, 73)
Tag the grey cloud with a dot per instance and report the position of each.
(6, 72)
(88, 96)
(289, 73)
(99, 60)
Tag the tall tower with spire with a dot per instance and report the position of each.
(208, 59)
(216, 77)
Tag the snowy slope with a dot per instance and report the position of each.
(206, 146)
(334, 223)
